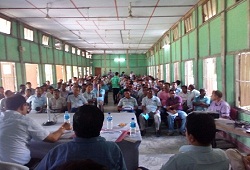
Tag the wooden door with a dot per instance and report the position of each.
(98, 71)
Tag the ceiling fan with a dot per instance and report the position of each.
(130, 11)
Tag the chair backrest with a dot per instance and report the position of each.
(12, 166)
(234, 113)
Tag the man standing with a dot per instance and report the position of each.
(151, 108)
(174, 108)
(16, 131)
(127, 103)
(88, 144)
(219, 105)
(115, 81)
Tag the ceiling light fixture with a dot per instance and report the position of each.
(79, 35)
(130, 11)
(47, 17)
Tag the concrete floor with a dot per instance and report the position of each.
(153, 151)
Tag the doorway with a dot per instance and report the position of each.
(98, 71)
(60, 72)
(32, 74)
(8, 71)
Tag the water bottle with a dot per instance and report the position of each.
(132, 127)
(66, 117)
(109, 121)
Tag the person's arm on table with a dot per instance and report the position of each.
(53, 137)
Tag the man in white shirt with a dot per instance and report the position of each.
(75, 100)
(127, 103)
(16, 131)
(151, 108)
(37, 101)
(57, 103)
(89, 95)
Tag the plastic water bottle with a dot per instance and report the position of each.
(132, 127)
(66, 117)
(109, 121)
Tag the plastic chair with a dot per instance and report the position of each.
(12, 166)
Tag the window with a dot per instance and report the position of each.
(66, 48)
(73, 50)
(58, 44)
(209, 75)
(209, 9)
(160, 72)
(175, 33)
(78, 52)
(75, 71)
(5, 26)
(45, 40)
(83, 53)
(167, 72)
(188, 22)
(189, 75)
(243, 81)
(176, 71)
(68, 72)
(49, 73)
(28, 34)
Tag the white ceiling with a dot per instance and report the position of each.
(101, 24)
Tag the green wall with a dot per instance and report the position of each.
(34, 52)
(133, 62)
(223, 36)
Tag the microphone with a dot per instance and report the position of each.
(49, 122)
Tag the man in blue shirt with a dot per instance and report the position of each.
(201, 102)
(88, 144)
(200, 132)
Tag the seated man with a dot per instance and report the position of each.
(37, 101)
(174, 108)
(7, 93)
(75, 100)
(184, 94)
(90, 95)
(127, 103)
(151, 108)
(88, 144)
(201, 102)
(219, 105)
(57, 103)
(16, 131)
(199, 154)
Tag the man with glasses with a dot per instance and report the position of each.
(151, 105)
(174, 108)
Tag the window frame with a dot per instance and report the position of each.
(44, 37)
(209, 9)
(188, 23)
(28, 34)
(189, 72)
(5, 26)
(175, 32)
(208, 76)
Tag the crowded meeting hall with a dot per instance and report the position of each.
(125, 85)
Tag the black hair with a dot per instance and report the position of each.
(184, 86)
(88, 121)
(178, 82)
(14, 102)
(202, 127)
(126, 90)
(116, 73)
